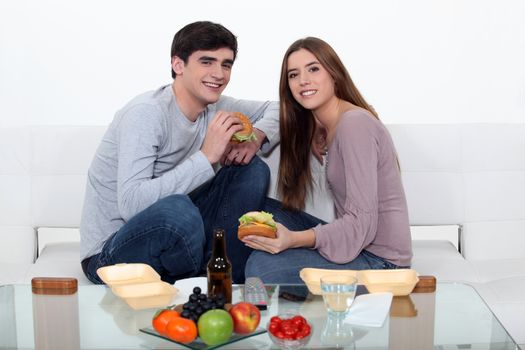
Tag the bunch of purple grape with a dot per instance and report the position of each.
(198, 303)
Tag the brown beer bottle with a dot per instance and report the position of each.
(219, 268)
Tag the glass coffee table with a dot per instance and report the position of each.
(453, 317)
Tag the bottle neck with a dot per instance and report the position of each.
(219, 243)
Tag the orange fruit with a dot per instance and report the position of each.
(162, 318)
(182, 330)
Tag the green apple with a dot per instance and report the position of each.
(215, 326)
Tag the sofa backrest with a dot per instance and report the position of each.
(44, 173)
(454, 174)
(467, 174)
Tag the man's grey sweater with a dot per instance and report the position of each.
(150, 151)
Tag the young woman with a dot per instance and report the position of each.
(371, 228)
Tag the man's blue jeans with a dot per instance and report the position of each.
(174, 235)
(285, 266)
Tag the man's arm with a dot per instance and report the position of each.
(140, 135)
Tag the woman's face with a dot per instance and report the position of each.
(310, 83)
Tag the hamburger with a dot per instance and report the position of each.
(258, 223)
(246, 134)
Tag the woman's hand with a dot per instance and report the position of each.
(276, 245)
(285, 239)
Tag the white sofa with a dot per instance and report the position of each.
(465, 185)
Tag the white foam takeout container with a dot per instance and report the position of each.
(139, 285)
(398, 282)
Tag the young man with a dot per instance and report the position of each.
(154, 194)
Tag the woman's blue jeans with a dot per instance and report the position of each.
(174, 235)
(285, 266)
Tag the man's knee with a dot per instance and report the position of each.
(177, 210)
(179, 216)
(259, 167)
(258, 175)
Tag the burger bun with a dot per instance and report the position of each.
(257, 230)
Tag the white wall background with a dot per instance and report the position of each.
(436, 61)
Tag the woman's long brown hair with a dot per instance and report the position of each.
(297, 124)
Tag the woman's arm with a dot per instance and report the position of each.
(354, 186)
(353, 177)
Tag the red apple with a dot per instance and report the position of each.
(246, 317)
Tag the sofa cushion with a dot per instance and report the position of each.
(15, 177)
(61, 158)
(442, 260)
(58, 260)
(446, 270)
(511, 316)
(56, 268)
(499, 270)
(506, 299)
(435, 249)
(62, 251)
(430, 165)
(47, 235)
(15, 200)
(496, 195)
(57, 199)
(437, 233)
(18, 244)
(59, 255)
(494, 240)
(11, 273)
(493, 147)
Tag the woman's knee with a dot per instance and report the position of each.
(260, 264)
(253, 265)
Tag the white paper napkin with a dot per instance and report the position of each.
(185, 287)
(369, 310)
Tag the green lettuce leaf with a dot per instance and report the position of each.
(242, 138)
(260, 217)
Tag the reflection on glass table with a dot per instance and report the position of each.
(452, 316)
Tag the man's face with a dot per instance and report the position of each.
(205, 75)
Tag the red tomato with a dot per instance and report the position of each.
(275, 319)
(290, 328)
(287, 324)
(273, 328)
(291, 332)
(162, 318)
(304, 331)
(298, 320)
(182, 330)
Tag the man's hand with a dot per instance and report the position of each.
(242, 152)
(219, 134)
(319, 144)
